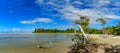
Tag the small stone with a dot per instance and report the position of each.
(108, 46)
(108, 50)
(116, 49)
(88, 47)
(82, 50)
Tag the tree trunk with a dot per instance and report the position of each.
(105, 35)
(105, 32)
(85, 39)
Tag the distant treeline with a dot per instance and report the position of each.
(41, 30)
(90, 31)
(113, 30)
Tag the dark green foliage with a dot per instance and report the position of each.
(53, 31)
(84, 21)
(114, 30)
(87, 30)
(102, 20)
(117, 29)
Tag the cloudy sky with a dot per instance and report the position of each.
(25, 15)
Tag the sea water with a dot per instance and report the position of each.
(18, 41)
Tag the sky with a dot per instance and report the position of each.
(18, 16)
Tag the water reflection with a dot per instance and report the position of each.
(17, 41)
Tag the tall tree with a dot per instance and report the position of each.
(103, 21)
(118, 25)
(117, 30)
(84, 21)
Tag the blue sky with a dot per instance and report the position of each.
(25, 15)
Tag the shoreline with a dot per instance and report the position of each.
(36, 33)
(60, 33)
(52, 33)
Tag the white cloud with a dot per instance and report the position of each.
(26, 22)
(39, 2)
(36, 20)
(104, 2)
(27, 29)
(64, 26)
(98, 10)
(15, 29)
(100, 3)
(77, 2)
(113, 16)
(71, 13)
(11, 11)
(117, 4)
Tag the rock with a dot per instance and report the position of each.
(95, 45)
(108, 46)
(100, 45)
(100, 50)
(82, 51)
(116, 49)
(70, 52)
(90, 48)
(108, 50)
(95, 48)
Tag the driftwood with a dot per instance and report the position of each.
(42, 47)
(45, 46)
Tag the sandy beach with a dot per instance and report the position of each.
(110, 39)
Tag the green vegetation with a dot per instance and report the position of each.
(112, 30)
(53, 31)
(103, 21)
(84, 22)
(87, 30)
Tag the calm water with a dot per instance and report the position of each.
(17, 41)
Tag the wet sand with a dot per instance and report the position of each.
(61, 47)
